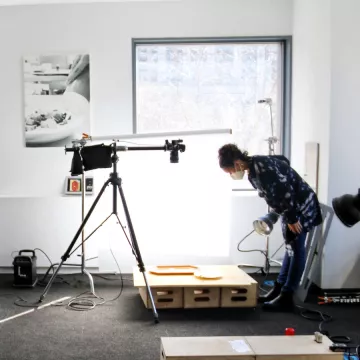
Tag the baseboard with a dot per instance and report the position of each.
(43, 270)
(340, 291)
(252, 270)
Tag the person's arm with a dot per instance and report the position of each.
(78, 66)
(79, 78)
(273, 177)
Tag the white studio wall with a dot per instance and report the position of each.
(325, 110)
(311, 86)
(343, 261)
(169, 204)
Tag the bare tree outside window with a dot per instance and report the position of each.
(202, 86)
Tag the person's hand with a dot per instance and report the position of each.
(78, 66)
(295, 228)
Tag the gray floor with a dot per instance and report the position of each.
(124, 329)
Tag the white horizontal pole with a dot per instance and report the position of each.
(164, 134)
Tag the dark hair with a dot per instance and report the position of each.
(229, 153)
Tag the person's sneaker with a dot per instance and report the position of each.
(284, 302)
(272, 294)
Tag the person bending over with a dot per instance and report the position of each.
(288, 195)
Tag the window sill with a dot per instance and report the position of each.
(243, 192)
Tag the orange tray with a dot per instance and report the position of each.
(173, 270)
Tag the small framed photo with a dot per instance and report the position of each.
(73, 185)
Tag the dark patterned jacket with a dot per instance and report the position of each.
(285, 191)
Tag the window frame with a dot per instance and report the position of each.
(286, 75)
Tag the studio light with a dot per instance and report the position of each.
(265, 224)
(347, 208)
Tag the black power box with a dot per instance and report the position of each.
(25, 269)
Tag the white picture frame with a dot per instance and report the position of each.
(73, 185)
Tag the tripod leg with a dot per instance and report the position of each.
(66, 255)
(137, 253)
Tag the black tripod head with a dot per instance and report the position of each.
(99, 156)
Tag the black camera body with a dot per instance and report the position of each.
(174, 147)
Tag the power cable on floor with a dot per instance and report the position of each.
(322, 318)
(87, 300)
(268, 265)
(306, 313)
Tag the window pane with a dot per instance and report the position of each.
(181, 87)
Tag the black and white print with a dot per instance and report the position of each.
(57, 99)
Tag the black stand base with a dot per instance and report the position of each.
(115, 181)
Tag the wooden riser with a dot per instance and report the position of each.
(164, 298)
(234, 288)
(247, 348)
(239, 296)
(200, 297)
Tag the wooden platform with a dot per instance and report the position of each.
(235, 288)
(247, 348)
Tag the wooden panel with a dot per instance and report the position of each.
(201, 297)
(231, 276)
(291, 347)
(239, 296)
(201, 348)
(164, 298)
(311, 175)
(248, 347)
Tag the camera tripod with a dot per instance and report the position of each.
(116, 183)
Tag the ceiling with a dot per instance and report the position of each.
(39, 2)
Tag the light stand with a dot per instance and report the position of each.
(83, 259)
(272, 140)
(174, 147)
(81, 142)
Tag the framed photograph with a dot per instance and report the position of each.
(73, 185)
(57, 98)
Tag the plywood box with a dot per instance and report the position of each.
(225, 291)
(201, 348)
(201, 297)
(247, 347)
(164, 298)
(239, 296)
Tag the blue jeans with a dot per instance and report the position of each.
(293, 264)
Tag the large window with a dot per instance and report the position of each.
(204, 84)
(201, 84)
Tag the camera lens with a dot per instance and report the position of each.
(174, 156)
